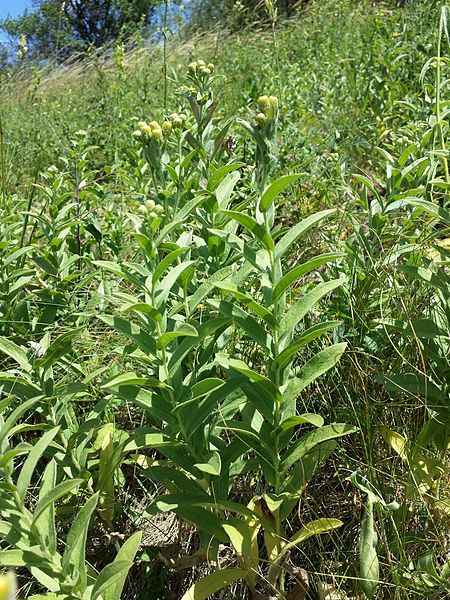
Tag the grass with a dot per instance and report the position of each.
(82, 255)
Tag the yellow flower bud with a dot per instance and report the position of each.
(210, 66)
(154, 125)
(147, 130)
(192, 67)
(261, 119)
(273, 100)
(167, 126)
(201, 63)
(263, 104)
(8, 586)
(157, 134)
(205, 71)
(142, 124)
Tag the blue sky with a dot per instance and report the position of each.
(13, 7)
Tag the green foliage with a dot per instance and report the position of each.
(216, 305)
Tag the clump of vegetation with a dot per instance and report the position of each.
(224, 315)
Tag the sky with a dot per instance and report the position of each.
(13, 7)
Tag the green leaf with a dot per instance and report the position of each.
(75, 553)
(181, 330)
(225, 189)
(15, 352)
(17, 413)
(45, 524)
(245, 321)
(254, 306)
(220, 173)
(212, 583)
(205, 288)
(292, 422)
(369, 568)
(55, 494)
(253, 226)
(274, 189)
(110, 575)
(213, 466)
(319, 364)
(133, 332)
(126, 553)
(298, 230)
(307, 442)
(294, 274)
(12, 558)
(58, 348)
(307, 336)
(298, 310)
(166, 284)
(166, 262)
(316, 527)
(32, 460)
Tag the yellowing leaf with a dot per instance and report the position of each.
(396, 441)
(213, 583)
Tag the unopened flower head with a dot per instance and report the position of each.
(159, 209)
(137, 134)
(264, 104)
(167, 126)
(142, 209)
(80, 133)
(200, 68)
(150, 204)
(8, 586)
(261, 120)
(157, 133)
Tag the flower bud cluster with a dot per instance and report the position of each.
(200, 68)
(176, 120)
(151, 210)
(268, 110)
(148, 131)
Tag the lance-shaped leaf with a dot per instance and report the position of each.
(294, 274)
(258, 309)
(75, 553)
(257, 230)
(212, 583)
(298, 230)
(275, 188)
